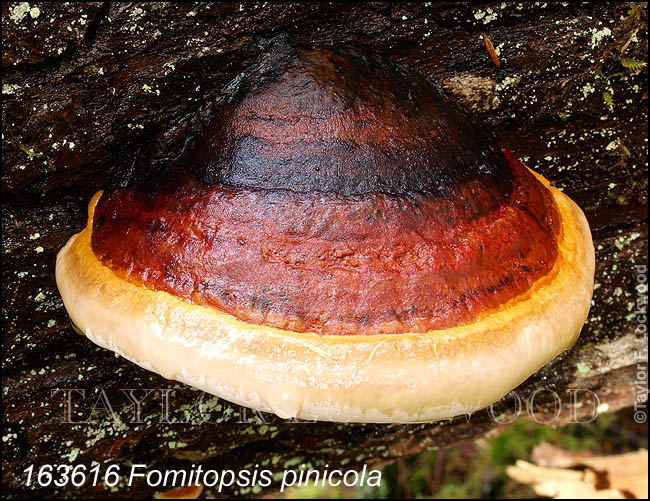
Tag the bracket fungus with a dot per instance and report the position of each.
(341, 242)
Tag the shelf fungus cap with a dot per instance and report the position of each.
(341, 242)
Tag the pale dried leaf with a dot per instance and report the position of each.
(602, 477)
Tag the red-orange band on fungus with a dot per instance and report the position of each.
(331, 264)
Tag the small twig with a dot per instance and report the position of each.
(403, 480)
(423, 463)
(438, 470)
(28, 151)
(629, 40)
(491, 51)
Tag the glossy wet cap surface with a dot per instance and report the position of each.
(338, 193)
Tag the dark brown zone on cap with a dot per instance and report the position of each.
(340, 194)
(343, 122)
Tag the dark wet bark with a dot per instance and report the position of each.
(91, 89)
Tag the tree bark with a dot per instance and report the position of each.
(91, 88)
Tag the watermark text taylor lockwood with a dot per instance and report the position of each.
(158, 405)
(641, 343)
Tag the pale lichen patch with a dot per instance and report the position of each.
(11, 88)
(19, 12)
(475, 92)
(598, 35)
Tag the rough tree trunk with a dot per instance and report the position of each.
(88, 87)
